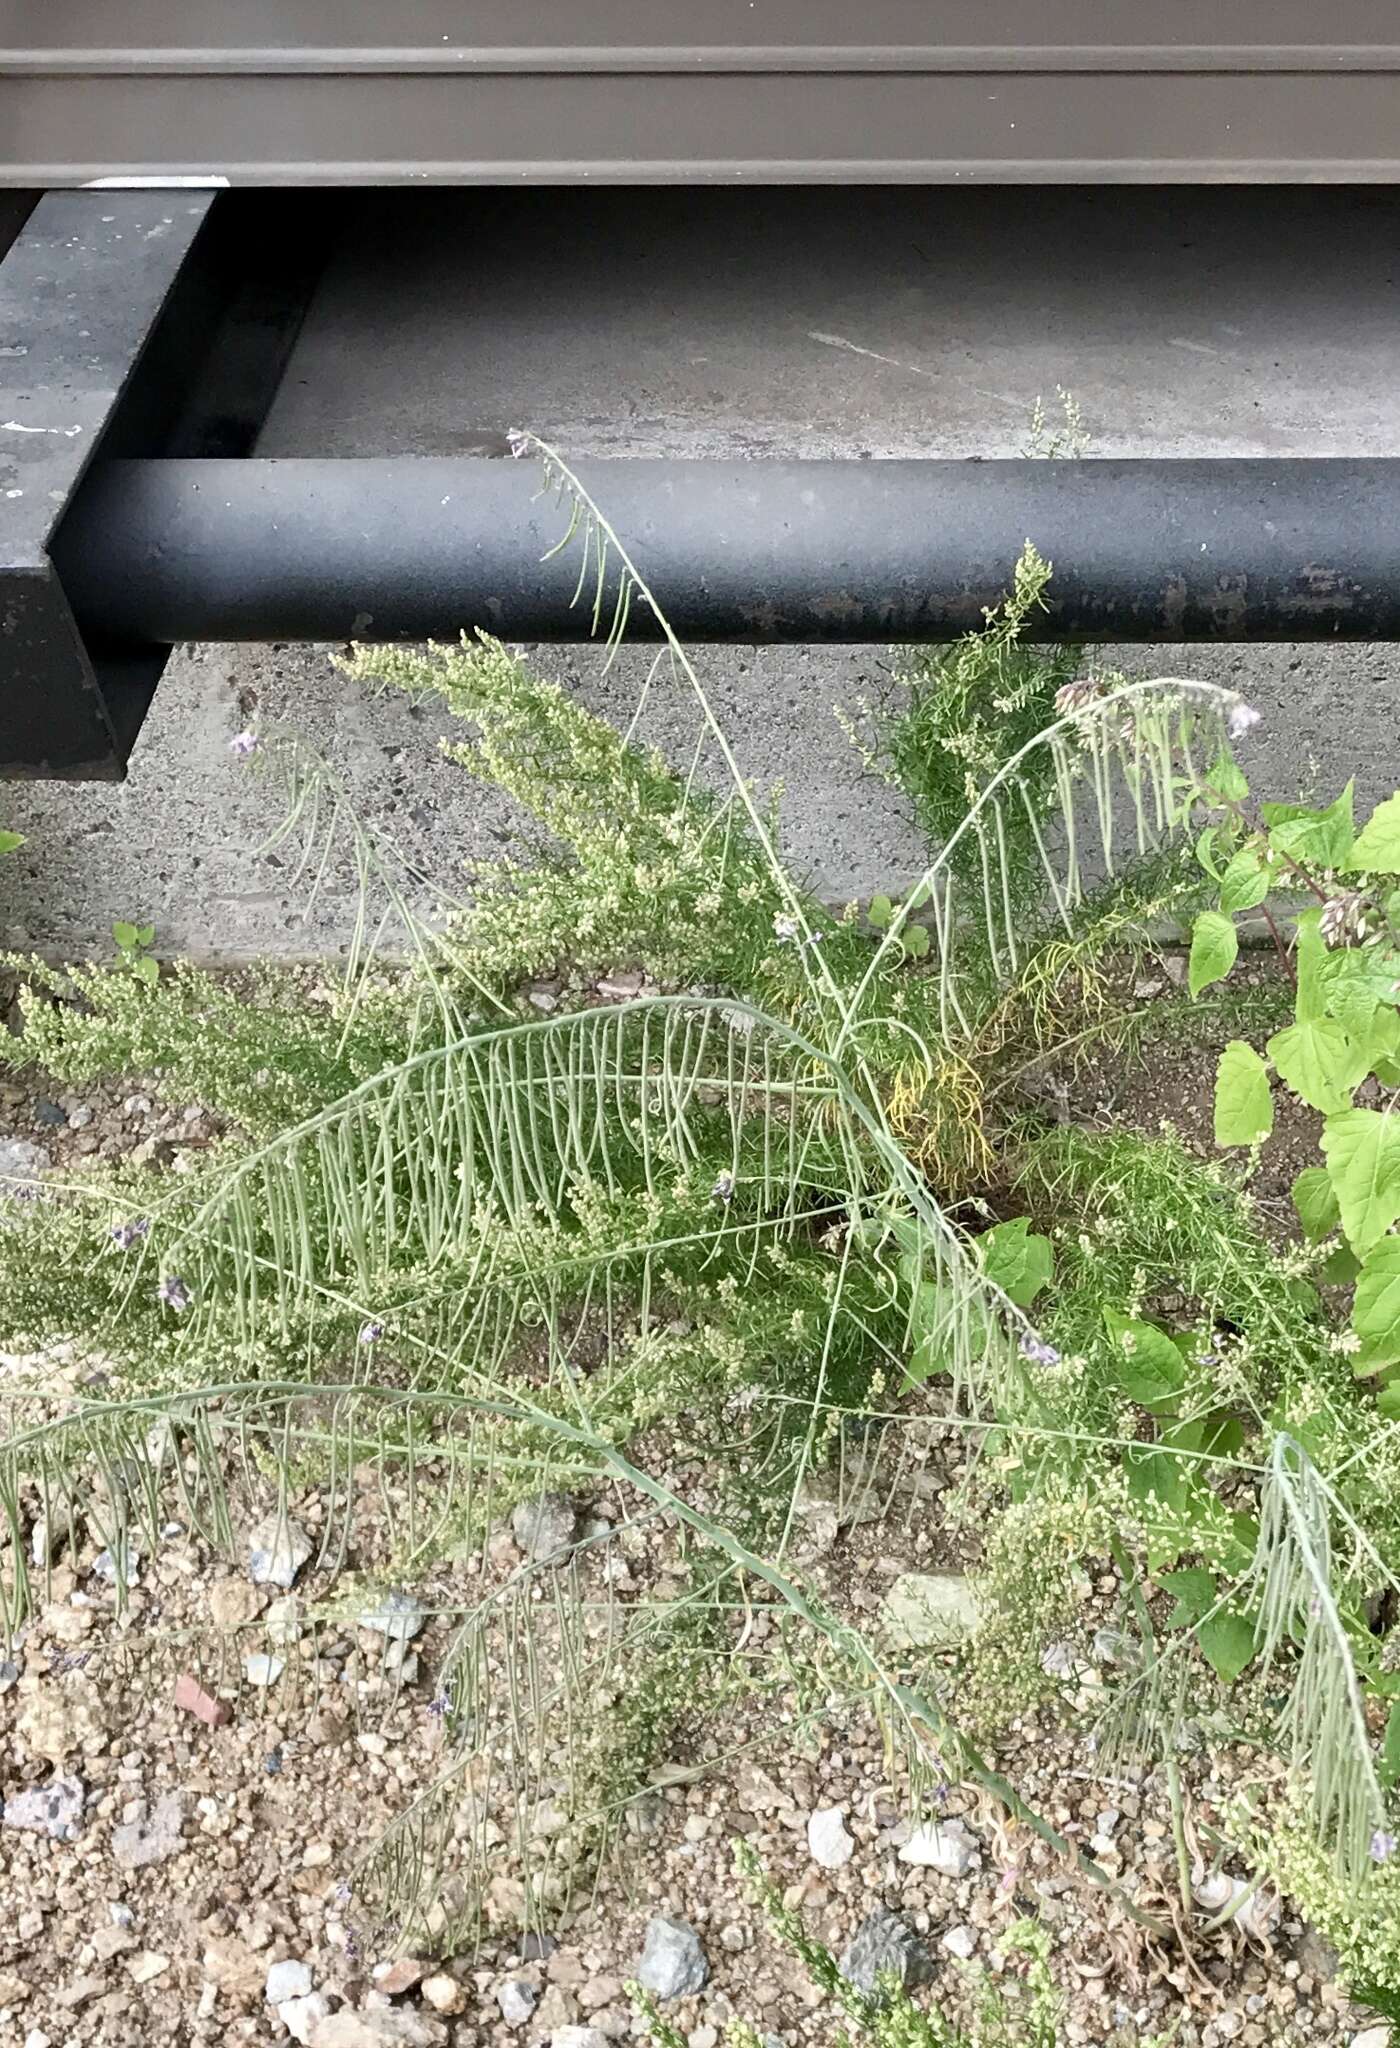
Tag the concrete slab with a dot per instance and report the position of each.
(768, 323)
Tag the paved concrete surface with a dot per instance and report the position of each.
(747, 323)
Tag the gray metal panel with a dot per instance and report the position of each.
(1012, 128)
(796, 90)
(79, 293)
(626, 35)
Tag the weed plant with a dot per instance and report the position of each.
(690, 1241)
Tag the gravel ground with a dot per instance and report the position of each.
(181, 1875)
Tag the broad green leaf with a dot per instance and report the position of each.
(1388, 1401)
(880, 912)
(1016, 1259)
(1227, 778)
(1340, 1267)
(1315, 1199)
(145, 935)
(1375, 1313)
(1383, 1039)
(1319, 1062)
(1317, 838)
(1310, 964)
(1194, 1592)
(1214, 945)
(1228, 1643)
(1244, 1105)
(1146, 1363)
(928, 1327)
(1154, 1474)
(1220, 1433)
(10, 841)
(1245, 882)
(126, 935)
(1362, 1150)
(916, 940)
(1377, 848)
(1205, 852)
(146, 969)
(1355, 978)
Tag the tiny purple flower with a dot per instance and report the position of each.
(173, 1292)
(439, 1706)
(723, 1189)
(370, 1333)
(1038, 1351)
(1383, 1846)
(342, 1893)
(243, 745)
(1241, 718)
(125, 1235)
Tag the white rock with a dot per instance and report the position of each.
(398, 1616)
(517, 1999)
(579, 2037)
(828, 1840)
(961, 1942)
(944, 1846)
(1374, 2037)
(299, 2015)
(261, 1669)
(286, 1980)
(21, 1161)
(277, 1550)
(546, 1527)
(443, 1993)
(283, 1620)
(930, 1610)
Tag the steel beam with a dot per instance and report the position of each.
(81, 290)
(401, 549)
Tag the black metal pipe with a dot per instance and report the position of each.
(403, 549)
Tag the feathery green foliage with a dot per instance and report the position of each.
(490, 1254)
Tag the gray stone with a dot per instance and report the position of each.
(827, 1838)
(885, 1946)
(21, 1161)
(398, 1616)
(546, 1528)
(104, 1565)
(378, 2026)
(930, 1610)
(672, 1962)
(287, 1979)
(944, 1846)
(301, 2016)
(277, 1550)
(154, 1836)
(536, 1946)
(262, 1669)
(283, 1620)
(517, 1998)
(9, 1674)
(961, 1942)
(55, 1809)
(579, 2037)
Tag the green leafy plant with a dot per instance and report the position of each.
(133, 943)
(776, 1191)
(10, 842)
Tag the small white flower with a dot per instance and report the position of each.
(785, 928)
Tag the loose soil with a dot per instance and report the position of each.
(254, 1829)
